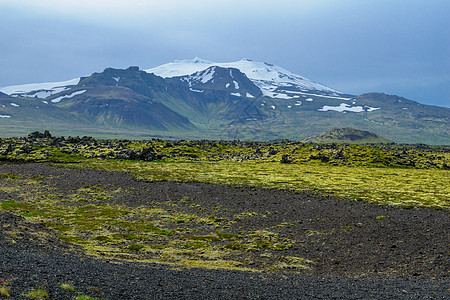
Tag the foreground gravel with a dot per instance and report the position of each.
(31, 256)
(126, 280)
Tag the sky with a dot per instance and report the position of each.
(355, 46)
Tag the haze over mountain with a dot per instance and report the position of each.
(201, 99)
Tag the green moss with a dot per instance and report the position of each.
(4, 291)
(292, 263)
(85, 297)
(401, 187)
(73, 239)
(67, 287)
(9, 176)
(38, 294)
(227, 236)
(10, 205)
(135, 247)
(57, 226)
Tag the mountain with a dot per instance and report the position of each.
(113, 101)
(273, 81)
(214, 95)
(197, 99)
(347, 136)
(121, 98)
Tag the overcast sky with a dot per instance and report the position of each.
(356, 46)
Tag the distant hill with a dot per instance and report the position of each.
(347, 136)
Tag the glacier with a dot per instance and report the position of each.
(267, 77)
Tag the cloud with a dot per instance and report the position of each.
(162, 10)
(350, 45)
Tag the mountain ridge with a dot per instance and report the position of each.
(217, 102)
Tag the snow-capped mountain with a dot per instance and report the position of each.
(201, 99)
(39, 90)
(273, 81)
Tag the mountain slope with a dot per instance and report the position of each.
(122, 98)
(19, 115)
(398, 120)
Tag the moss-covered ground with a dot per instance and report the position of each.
(154, 232)
(394, 186)
(180, 231)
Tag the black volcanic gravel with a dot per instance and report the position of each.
(150, 281)
(413, 244)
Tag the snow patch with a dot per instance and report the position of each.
(40, 90)
(273, 106)
(372, 108)
(5, 116)
(310, 99)
(227, 85)
(42, 94)
(196, 91)
(45, 102)
(342, 108)
(276, 95)
(236, 85)
(304, 95)
(116, 79)
(250, 95)
(14, 104)
(236, 94)
(204, 76)
(181, 67)
(56, 100)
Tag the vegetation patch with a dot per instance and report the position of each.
(67, 286)
(4, 287)
(293, 263)
(38, 294)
